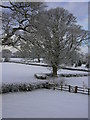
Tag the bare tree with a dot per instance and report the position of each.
(60, 35)
(16, 17)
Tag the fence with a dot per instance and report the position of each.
(73, 89)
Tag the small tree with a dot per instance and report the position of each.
(6, 54)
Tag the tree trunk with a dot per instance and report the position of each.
(54, 71)
(39, 60)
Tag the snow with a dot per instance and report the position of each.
(16, 59)
(41, 76)
(20, 73)
(42, 103)
(0, 107)
(31, 61)
(35, 61)
(83, 66)
(45, 104)
(77, 81)
(61, 71)
(17, 73)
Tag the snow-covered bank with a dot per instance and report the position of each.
(45, 104)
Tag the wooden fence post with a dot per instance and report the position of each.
(88, 91)
(61, 87)
(69, 88)
(76, 89)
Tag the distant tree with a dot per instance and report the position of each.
(6, 54)
(32, 48)
(17, 54)
(88, 60)
(74, 57)
(36, 53)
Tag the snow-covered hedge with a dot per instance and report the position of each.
(6, 88)
(40, 76)
(73, 75)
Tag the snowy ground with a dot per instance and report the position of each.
(41, 103)
(17, 73)
(45, 104)
(0, 107)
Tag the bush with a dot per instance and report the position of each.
(6, 88)
(40, 76)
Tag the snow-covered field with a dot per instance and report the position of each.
(35, 61)
(42, 103)
(45, 104)
(0, 107)
(19, 73)
(16, 73)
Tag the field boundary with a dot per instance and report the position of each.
(26, 87)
